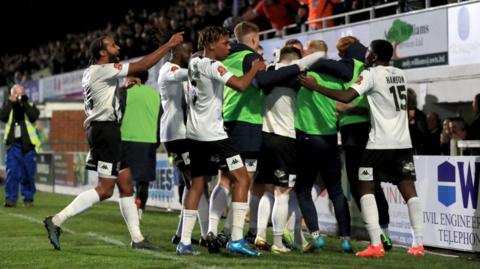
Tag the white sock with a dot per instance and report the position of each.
(239, 211)
(218, 202)
(416, 220)
(279, 217)
(227, 225)
(291, 220)
(253, 205)
(180, 217)
(140, 213)
(264, 211)
(203, 215)
(292, 205)
(385, 231)
(295, 220)
(130, 215)
(189, 218)
(370, 217)
(82, 202)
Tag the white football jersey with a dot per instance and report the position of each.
(171, 87)
(386, 92)
(279, 116)
(206, 78)
(99, 83)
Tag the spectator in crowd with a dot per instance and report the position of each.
(417, 123)
(281, 13)
(22, 144)
(474, 130)
(322, 8)
(432, 142)
(261, 21)
(454, 129)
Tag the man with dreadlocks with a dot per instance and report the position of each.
(100, 83)
(210, 147)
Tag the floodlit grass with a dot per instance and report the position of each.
(99, 239)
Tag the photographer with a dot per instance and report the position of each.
(22, 143)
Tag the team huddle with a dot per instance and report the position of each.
(270, 133)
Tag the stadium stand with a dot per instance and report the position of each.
(140, 31)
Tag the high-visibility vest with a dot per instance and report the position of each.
(32, 132)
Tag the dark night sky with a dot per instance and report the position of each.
(26, 23)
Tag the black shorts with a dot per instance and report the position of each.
(179, 150)
(207, 157)
(141, 158)
(278, 161)
(247, 138)
(104, 141)
(389, 165)
(355, 135)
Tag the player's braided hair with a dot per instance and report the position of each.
(210, 35)
(95, 47)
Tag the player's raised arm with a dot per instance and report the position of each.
(151, 59)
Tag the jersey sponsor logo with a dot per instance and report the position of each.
(221, 70)
(359, 80)
(251, 165)
(234, 162)
(174, 68)
(104, 168)
(117, 66)
(365, 174)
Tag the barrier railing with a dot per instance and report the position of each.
(346, 16)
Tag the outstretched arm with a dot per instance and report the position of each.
(241, 83)
(350, 109)
(339, 69)
(343, 96)
(154, 57)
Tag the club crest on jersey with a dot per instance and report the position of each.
(359, 80)
(221, 70)
(174, 68)
(117, 66)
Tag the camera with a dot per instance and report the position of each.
(22, 98)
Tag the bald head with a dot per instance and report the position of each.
(17, 89)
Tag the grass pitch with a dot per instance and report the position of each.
(99, 238)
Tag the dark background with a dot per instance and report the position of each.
(25, 23)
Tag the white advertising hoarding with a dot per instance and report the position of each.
(448, 187)
(464, 34)
(419, 40)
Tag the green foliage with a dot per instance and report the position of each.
(399, 32)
